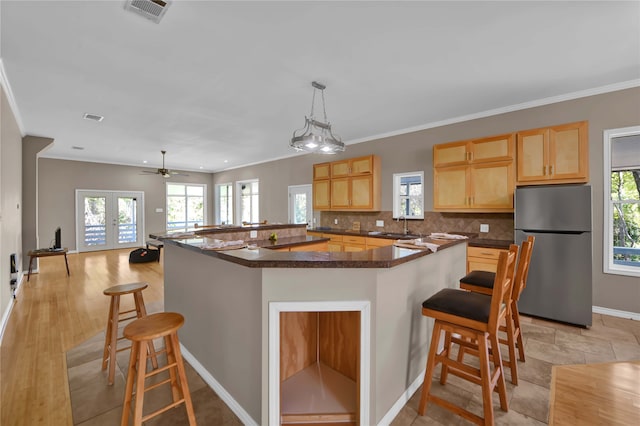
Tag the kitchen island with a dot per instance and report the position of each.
(247, 311)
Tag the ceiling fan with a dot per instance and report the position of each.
(165, 173)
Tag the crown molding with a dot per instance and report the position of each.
(4, 82)
(502, 110)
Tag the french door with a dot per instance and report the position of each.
(300, 204)
(108, 220)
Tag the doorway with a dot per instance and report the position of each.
(108, 220)
(300, 204)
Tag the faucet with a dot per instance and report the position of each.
(405, 230)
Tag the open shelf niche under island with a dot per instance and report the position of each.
(264, 328)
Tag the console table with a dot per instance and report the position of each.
(33, 254)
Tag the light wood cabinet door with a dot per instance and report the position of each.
(449, 154)
(321, 194)
(361, 165)
(361, 192)
(321, 171)
(495, 148)
(354, 184)
(334, 246)
(340, 168)
(489, 149)
(568, 152)
(557, 154)
(492, 186)
(450, 188)
(340, 193)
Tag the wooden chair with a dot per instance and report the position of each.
(111, 335)
(482, 282)
(467, 317)
(140, 332)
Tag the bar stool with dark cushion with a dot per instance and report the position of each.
(111, 337)
(482, 282)
(141, 332)
(470, 320)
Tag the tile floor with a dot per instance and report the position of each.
(546, 343)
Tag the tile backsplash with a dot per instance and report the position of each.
(500, 224)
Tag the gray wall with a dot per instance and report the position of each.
(32, 147)
(59, 179)
(413, 151)
(11, 199)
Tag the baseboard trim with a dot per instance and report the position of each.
(402, 401)
(5, 318)
(7, 312)
(244, 417)
(616, 313)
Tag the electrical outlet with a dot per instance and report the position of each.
(253, 234)
(159, 210)
(380, 223)
(335, 221)
(484, 227)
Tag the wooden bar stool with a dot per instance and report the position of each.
(482, 282)
(111, 337)
(470, 319)
(140, 332)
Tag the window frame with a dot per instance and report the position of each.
(186, 198)
(609, 267)
(238, 200)
(397, 179)
(230, 203)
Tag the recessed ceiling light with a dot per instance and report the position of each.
(201, 167)
(79, 148)
(226, 161)
(144, 161)
(92, 117)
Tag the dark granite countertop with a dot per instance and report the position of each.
(261, 257)
(221, 229)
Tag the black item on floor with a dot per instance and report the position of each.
(143, 255)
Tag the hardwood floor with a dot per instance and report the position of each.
(52, 314)
(55, 313)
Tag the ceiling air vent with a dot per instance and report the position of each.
(93, 117)
(151, 9)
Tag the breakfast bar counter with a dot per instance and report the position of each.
(247, 311)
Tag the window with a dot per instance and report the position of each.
(186, 206)
(248, 202)
(622, 201)
(300, 204)
(408, 200)
(224, 196)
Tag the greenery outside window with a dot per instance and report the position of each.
(224, 197)
(408, 195)
(248, 201)
(186, 206)
(622, 201)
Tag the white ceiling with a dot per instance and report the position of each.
(216, 81)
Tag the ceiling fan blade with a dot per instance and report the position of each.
(149, 172)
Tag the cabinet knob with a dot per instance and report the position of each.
(550, 170)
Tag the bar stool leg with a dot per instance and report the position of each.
(113, 338)
(128, 392)
(105, 354)
(428, 374)
(483, 352)
(184, 386)
(140, 376)
(142, 312)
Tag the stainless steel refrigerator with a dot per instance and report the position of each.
(559, 284)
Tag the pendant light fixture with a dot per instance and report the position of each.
(316, 136)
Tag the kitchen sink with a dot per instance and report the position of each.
(398, 235)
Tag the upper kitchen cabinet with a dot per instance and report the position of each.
(495, 148)
(353, 184)
(474, 176)
(558, 154)
(321, 171)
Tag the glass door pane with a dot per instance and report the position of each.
(95, 219)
